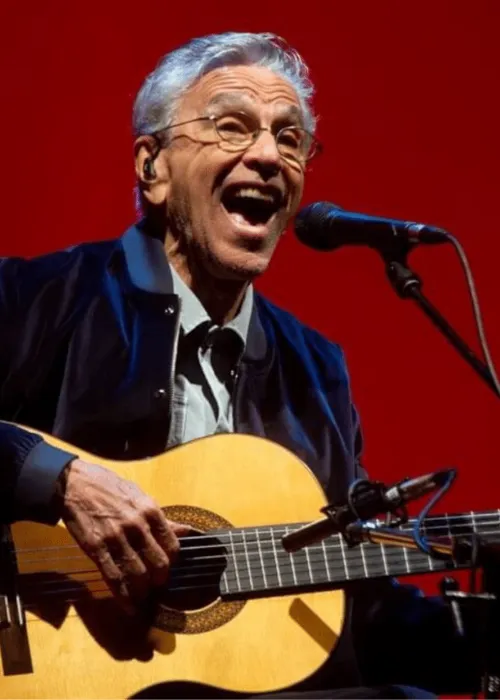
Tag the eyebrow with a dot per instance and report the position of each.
(231, 99)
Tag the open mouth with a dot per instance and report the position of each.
(251, 206)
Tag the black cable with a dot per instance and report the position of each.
(477, 311)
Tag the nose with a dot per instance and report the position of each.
(263, 155)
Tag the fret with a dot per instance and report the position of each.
(275, 554)
(285, 565)
(473, 521)
(241, 561)
(384, 559)
(247, 559)
(448, 526)
(363, 559)
(355, 563)
(299, 560)
(269, 557)
(419, 561)
(396, 560)
(292, 564)
(342, 554)
(494, 522)
(345, 562)
(431, 560)
(259, 550)
(317, 564)
(496, 526)
(414, 560)
(254, 551)
(325, 559)
(406, 560)
(309, 569)
(234, 562)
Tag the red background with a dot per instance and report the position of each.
(408, 100)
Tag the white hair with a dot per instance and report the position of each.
(158, 97)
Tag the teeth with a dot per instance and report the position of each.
(254, 193)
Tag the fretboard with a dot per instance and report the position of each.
(257, 563)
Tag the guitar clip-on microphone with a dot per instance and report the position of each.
(367, 500)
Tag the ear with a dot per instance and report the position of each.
(151, 169)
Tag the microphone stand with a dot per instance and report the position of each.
(407, 284)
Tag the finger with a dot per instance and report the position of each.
(156, 560)
(180, 529)
(164, 534)
(134, 570)
(115, 579)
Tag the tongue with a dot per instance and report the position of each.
(242, 219)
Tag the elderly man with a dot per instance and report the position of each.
(127, 347)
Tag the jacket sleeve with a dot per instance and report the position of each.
(29, 466)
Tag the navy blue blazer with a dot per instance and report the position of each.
(86, 354)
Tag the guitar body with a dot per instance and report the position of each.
(89, 649)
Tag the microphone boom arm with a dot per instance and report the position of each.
(407, 284)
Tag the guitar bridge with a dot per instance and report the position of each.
(14, 643)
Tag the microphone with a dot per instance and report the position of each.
(325, 226)
(374, 498)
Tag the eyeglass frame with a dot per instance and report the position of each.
(255, 135)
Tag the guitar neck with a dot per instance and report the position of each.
(257, 563)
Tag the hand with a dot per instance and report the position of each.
(121, 529)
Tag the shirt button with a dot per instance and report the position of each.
(169, 310)
(160, 394)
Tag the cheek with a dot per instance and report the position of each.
(296, 191)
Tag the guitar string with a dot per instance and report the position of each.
(373, 550)
(468, 518)
(84, 593)
(188, 562)
(232, 581)
(275, 530)
(282, 560)
(332, 570)
(246, 592)
(316, 556)
(431, 524)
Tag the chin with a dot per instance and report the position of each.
(243, 266)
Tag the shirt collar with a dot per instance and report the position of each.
(150, 270)
(193, 312)
(147, 262)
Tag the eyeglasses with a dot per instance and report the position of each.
(237, 131)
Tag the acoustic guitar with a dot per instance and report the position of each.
(239, 613)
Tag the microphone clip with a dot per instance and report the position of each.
(366, 500)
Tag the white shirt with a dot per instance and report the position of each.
(206, 365)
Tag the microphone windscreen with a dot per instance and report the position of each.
(312, 225)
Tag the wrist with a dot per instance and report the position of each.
(62, 481)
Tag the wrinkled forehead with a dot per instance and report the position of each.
(242, 87)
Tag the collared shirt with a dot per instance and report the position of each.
(206, 366)
(207, 355)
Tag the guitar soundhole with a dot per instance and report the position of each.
(194, 581)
